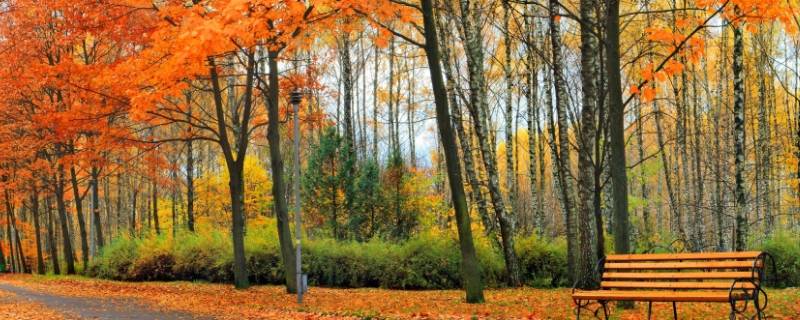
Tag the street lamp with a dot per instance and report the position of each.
(295, 98)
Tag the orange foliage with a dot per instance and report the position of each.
(272, 302)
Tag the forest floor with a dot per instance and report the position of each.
(50, 297)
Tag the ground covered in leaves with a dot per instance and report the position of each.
(271, 302)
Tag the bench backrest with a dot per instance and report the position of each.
(683, 271)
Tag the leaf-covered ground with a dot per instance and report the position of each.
(271, 302)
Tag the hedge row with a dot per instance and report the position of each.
(424, 262)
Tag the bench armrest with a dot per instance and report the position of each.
(736, 293)
(762, 271)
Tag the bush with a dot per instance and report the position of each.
(155, 260)
(543, 264)
(115, 260)
(785, 249)
(424, 263)
(428, 261)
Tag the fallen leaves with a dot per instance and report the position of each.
(14, 307)
(272, 302)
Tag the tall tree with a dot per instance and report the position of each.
(616, 124)
(562, 159)
(740, 235)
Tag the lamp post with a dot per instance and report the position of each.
(295, 98)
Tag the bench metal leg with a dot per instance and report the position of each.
(649, 309)
(605, 309)
(674, 311)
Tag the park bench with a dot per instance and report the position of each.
(721, 277)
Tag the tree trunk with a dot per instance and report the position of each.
(470, 268)
(278, 185)
(563, 156)
(40, 267)
(619, 176)
(463, 138)
(587, 137)
(511, 174)
(62, 215)
(234, 160)
(77, 198)
(739, 138)
(479, 109)
(12, 221)
(155, 207)
(98, 226)
(51, 239)
(375, 148)
(189, 170)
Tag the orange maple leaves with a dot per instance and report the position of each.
(684, 44)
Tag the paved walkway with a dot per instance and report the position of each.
(93, 308)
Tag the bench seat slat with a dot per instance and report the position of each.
(682, 265)
(673, 285)
(677, 275)
(683, 256)
(656, 296)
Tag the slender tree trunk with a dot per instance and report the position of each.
(234, 155)
(563, 155)
(350, 156)
(643, 189)
(463, 138)
(511, 174)
(12, 253)
(700, 222)
(470, 268)
(533, 135)
(40, 267)
(479, 109)
(12, 221)
(98, 226)
(739, 138)
(375, 148)
(62, 215)
(278, 185)
(134, 198)
(155, 208)
(586, 139)
(78, 200)
(619, 176)
(189, 171)
(51, 239)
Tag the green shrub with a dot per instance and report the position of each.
(264, 262)
(428, 261)
(344, 264)
(196, 254)
(425, 262)
(785, 249)
(116, 259)
(543, 264)
(155, 260)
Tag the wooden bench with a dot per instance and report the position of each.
(723, 277)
